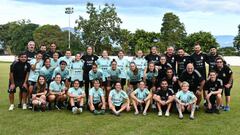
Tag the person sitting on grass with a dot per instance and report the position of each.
(118, 100)
(164, 97)
(96, 99)
(76, 97)
(213, 91)
(57, 90)
(141, 99)
(39, 94)
(185, 100)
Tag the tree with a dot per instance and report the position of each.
(16, 35)
(48, 34)
(205, 39)
(172, 31)
(236, 42)
(228, 51)
(102, 29)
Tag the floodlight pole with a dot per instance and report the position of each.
(69, 11)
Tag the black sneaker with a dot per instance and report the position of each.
(209, 111)
(216, 111)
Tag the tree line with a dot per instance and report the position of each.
(102, 30)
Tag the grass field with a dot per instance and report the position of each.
(63, 122)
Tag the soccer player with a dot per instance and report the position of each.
(123, 65)
(226, 75)
(47, 70)
(53, 49)
(96, 101)
(164, 96)
(212, 57)
(43, 50)
(133, 77)
(76, 70)
(36, 65)
(88, 59)
(198, 58)
(63, 71)
(67, 58)
(195, 81)
(182, 60)
(141, 98)
(30, 50)
(172, 80)
(39, 94)
(118, 100)
(140, 61)
(150, 76)
(57, 92)
(153, 56)
(213, 91)
(19, 73)
(185, 100)
(76, 97)
(96, 73)
(162, 68)
(171, 57)
(104, 63)
(55, 60)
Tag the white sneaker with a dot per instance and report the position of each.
(136, 113)
(74, 110)
(79, 110)
(24, 107)
(11, 107)
(160, 113)
(167, 114)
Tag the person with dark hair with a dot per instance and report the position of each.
(164, 97)
(198, 58)
(57, 92)
(96, 100)
(88, 59)
(63, 71)
(123, 65)
(195, 80)
(213, 91)
(133, 77)
(47, 70)
(212, 57)
(226, 75)
(76, 97)
(171, 57)
(172, 80)
(96, 73)
(43, 50)
(36, 65)
(153, 56)
(162, 67)
(140, 62)
(150, 76)
(182, 60)
(141, 98)
(118, 100)
(30, 52)
(76, 70)
(53, 49)
(39, 94)
(19, 73)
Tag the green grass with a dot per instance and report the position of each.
(63, 122)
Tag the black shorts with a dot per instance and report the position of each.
(96, 106)
(118, 107)
(31, 83)
(213, 99)
(227, 91)
(141, 106)
(17, 84)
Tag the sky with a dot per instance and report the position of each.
(220, 17)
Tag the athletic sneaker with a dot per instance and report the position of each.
(95, 112)
(11, 107)
(180, 116)
(57, 107)
(197, 107)
(79, 110)
(116, 113)
(222, 107)
(144, 113)
(227, 108)
(216, 111)
(191, 117)
(24, 107)
(74, 110)
(102, 112)
(160, 113)
(136, 113)
(167, 114)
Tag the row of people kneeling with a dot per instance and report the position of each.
(119, 100)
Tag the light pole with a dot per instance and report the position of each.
(69, 11)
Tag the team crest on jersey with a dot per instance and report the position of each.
(92, 58)
(201, 57)
(25, 67)
(224, 75)
(156, 58)
(184, 60)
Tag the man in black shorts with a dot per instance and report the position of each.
(213, 90)
(195, 80)
(19, 73)
(226, 75)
